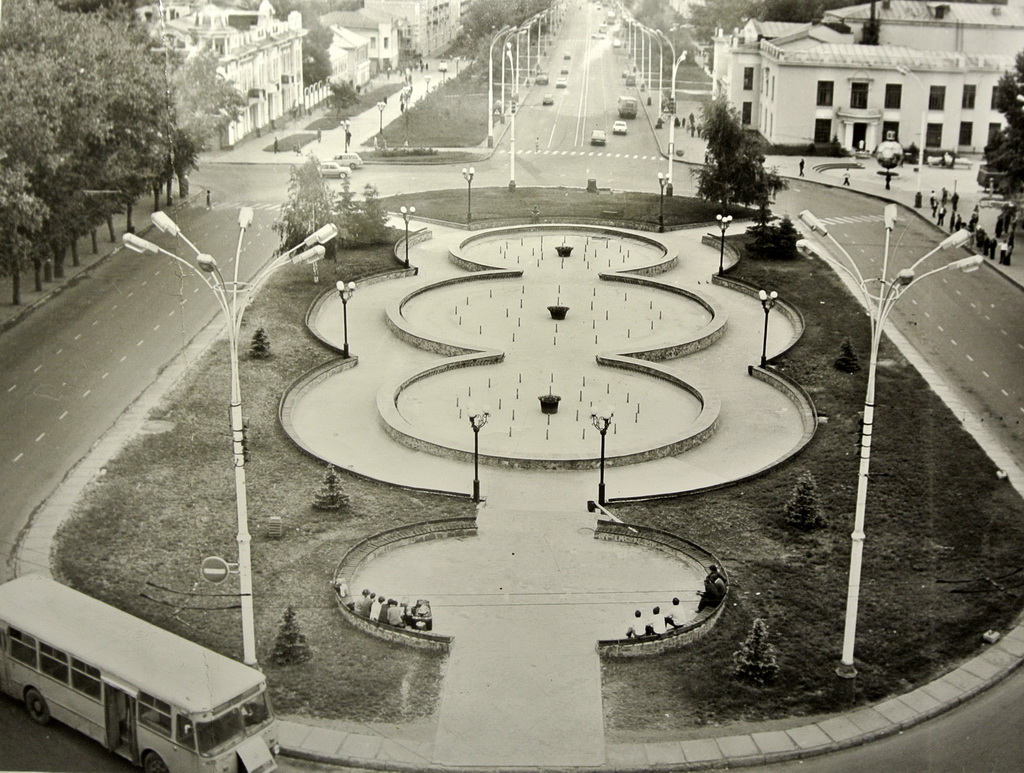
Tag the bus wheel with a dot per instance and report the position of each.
(153, 763)
(36, 705)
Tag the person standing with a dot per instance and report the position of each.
(801, 167)
(942, 215)
(846, 178)
(945, 196)
(888, 180)
(955, 200)
(1004, 253)
(934, 203)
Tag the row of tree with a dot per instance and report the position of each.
(96, 113)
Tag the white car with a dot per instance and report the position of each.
(562, 83)
(619, 127)
(334, 169)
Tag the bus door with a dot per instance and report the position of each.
(4, 684)
(119, 708)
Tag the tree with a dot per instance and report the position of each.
(316, 59)
(368, 222)
(755, 661)
(803, 510)
(291, 647)
(343, 94)
(735, 172)
(775, 240)
(311, 204)
(259, 349)
(330, 497)
(1005, 151)
(847, 360)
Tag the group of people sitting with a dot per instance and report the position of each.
(387, 611)
(658, 623)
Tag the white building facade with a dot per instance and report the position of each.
(429, 25)
(381, 30)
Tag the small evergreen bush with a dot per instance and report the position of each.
(291, 646)
(803, 510)
(755, 661)
(847, 360)
(330, 496)
(259, 349)
(775, 240)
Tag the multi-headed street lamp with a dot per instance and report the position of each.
(233, 298)
(723, 223)
(662, 182)
(468, 174)
(345, 292)
(477, 421)
(768, 301)
(880, 294)
(380, 107)
(602, 420)
(407, 212)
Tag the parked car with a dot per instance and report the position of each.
(565, 71)
(542, 79)
(349, 159)
(334, 169)
(619, 127)
(562, 83)
(599, 137)
(549, 99)
(567, 56)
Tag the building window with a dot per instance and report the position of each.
(937, 98)
(992, 105)
(893, 95)
(934, 136)
(890, 127)
(825, 89)
(373, 41)
(748, 78)
(993, 130)
(773, 87)
(385, 44)
(966, 132)
(859, 95)
(823, 130)
(748, 110)
(970, 93)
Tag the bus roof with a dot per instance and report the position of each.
(127, 648)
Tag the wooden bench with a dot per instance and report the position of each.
(611, 212)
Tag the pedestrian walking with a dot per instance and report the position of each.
(207, 198)
(955, 200)
(959, 223)
(945, 196)
(888, 180)
(319, 135)
(846, 178)
(934, 203)
(276, 147)
(348, 139)
(1004, 253)
(942, 215)
(801, 167)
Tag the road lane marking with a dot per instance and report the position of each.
(171, 314)
(985, 374)
(12, 387)
(104, 375)
(131, 294)
(95, 323)
(78, 336)
(123, 358)
(970, 358)
(59, 350)
(112, 308)
(87, 391)
(156, 328)
(15, 459)
(1005, 393)
(37, 368)
(141, 340)
(61, 417)
(41, 436)
(941, 328)
(953, 341)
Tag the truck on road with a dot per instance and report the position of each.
(627, 107)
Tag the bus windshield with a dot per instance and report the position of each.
(232, 725)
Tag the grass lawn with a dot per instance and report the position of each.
(331, 119)
(500, 203)
(168, 502)
(938, 522)
(936, 513)
(452, 115)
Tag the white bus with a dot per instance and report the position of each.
(159, 700)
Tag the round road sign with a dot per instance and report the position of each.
(215, 569)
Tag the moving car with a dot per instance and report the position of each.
(334, 169)
(567, 56)
(565, 71)
(562, 83)
(542, 79)
(349, 158)
(599, 137)
(619, 127)
(549, 99)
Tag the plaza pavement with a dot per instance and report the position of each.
(393, 748)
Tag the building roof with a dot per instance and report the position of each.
(353, 19)
(346, 38)
(885, 56)
(918, 12)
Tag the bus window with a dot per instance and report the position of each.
(255, 712)
(23, 647)
(53, 662)
(219, 732)
(186, 734)
(85, 678)
(155, 714)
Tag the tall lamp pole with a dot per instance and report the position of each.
(924, 133)
(380, 107)
(662, 182)
(407, 212)
(723, 223)
(468, 174)
(515, 99)
(602, 420)
(767, 303)
(879, 294)
(490, 86)
(672, 119)
(477, 421)
(233, 297)
(345, 291)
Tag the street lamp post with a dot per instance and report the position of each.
(767, 303)
(468, 174)
(662, 182)
(723, 223)
(345, 291)
(602, 420)
(924, 133)
(380, 107)
(672, 118)
(233, 298)
(515, 100)
(477, 421)
(879, 295)
(490, 86)
(407, 212)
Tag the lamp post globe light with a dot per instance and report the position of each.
(879, 295)
(468, 174)
(477, 420)
(233, 297)
(662, 182)
(380, 107)
(723, 223)
(602, 420)
(345, 291)
(407, 212)
(767, 303)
